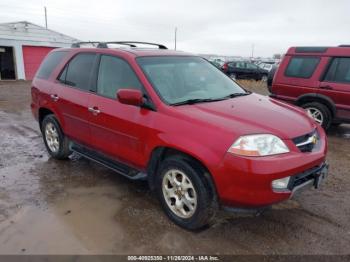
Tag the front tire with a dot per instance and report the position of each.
(185, 194)
(57, 144)
(320, 113)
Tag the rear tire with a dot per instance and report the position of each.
(57, 144)
(185, 194)
(320, 113)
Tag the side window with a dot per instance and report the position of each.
(78, 71)
(302, 67)
(49, 64)
(240, 65)
(63, 75)
(251, 66)
(114, 74)
(339, 70)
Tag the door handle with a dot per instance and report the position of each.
(94, 110)
(54, 98)
(328, 87)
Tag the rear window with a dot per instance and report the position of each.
(339, 70)
(49, 64)
(302, 67)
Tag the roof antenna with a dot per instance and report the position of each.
(45, 16)
(175, 36)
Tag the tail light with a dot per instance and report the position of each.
(225, 67)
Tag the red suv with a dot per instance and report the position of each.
(201, 141)
(317, 79)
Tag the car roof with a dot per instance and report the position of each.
(136, 52)
(320, 50)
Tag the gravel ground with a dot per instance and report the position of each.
(79, 207)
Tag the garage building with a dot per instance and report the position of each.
(23, 45)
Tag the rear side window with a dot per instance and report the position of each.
(114, 74)
(302, 67)
(251, 66)
(49, 64)
(238, 65)
(339, 70)
(78, 71)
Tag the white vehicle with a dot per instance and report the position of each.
(266, 66)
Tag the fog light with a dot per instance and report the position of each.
(280, 184)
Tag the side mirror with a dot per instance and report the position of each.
(130, 97)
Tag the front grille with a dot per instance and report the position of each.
(306, 143)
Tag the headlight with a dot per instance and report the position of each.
(258, 145)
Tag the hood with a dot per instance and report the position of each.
(251, 114)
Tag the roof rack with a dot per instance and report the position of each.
(127, 43)
(78, 44)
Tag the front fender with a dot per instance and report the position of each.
(209, 157)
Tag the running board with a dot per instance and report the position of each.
(99, 158)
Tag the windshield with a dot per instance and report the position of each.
(178, 79)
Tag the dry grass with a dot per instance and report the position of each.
(259, 87)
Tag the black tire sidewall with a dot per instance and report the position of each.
(202, 215)
(60, 154)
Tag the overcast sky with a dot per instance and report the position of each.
(204, 26)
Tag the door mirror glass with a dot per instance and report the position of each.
(130, 97)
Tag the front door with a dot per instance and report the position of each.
(118, 130)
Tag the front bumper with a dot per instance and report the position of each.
(313, 177)
(246, 182)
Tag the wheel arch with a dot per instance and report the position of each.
(312, 97)
(43, 111)
(162, 152)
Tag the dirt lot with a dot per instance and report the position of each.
(78, 207)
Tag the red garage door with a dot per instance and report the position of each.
(32, 56)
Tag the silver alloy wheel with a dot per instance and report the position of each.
(316, 114)
(264, 78)
(179, 193)
(52, 138)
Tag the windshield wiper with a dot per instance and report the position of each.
(205, 100)
(236, 95)
(196, 100)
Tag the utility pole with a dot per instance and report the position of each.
(45, 17)
(253, 46)
(175, 36)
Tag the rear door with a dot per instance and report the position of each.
(118, 130)
(70, 96)
(336, 85)
(253, 71)
(238, 68)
